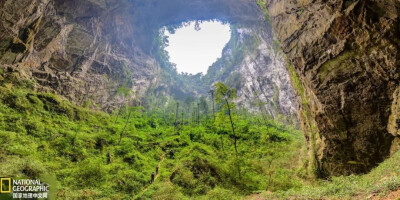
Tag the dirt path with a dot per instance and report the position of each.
(162, 158)
(392, 195)
(159, 166)
(254, 197)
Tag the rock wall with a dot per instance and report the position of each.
(256, 68)
(344, 56)
(266, 79)
(86, 49)
(83, 50)
(345, 67)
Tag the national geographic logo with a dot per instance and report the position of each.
(11, 188)
(5, 185)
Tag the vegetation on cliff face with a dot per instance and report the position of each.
(345, 54)
(344, 65)
(250, 63)
(331, 72)
(238, 47)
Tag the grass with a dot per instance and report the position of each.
(380, 181)
(77, 150)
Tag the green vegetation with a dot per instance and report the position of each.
(300, 11)
(379, 182)
(239, 46)
(86, 154)
(337, 65)
(311, 130)
(263, 5)
(94, 155)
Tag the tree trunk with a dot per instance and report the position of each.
(119, 112)
(234, 136)
(212, 95)
(126, 124)
(232, 125)
(198, 114)
(176, 115)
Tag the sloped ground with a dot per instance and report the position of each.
(382, 183)
(80, 153)
(43, 134)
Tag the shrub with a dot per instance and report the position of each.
(90, 173)
(221, 194)
(34, 127)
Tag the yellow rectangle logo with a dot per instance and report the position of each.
(4, 187)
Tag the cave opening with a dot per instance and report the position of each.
(98, 91)
(194, 46)
(247, 59)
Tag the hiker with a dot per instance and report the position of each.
(153, 175)
(157, 169)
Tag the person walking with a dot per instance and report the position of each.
(153, 175)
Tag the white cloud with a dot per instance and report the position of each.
(194, 51)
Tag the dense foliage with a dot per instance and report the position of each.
(94, 155)
(86, 154)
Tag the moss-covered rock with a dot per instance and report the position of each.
(344, 58)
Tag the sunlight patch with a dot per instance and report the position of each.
(197, 45)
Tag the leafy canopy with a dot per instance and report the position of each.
(223, 92)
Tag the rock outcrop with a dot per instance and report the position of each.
(344, 57)
(82, 50)
(255, 66)
(266, 79)
(87, 50)
(345, 66)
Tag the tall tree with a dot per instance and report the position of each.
(261, 105)
(225, 95)
(204, 106)
(176, 114)
(198, 113)
(182, 117)
(188, 103)
(124, 92)
(126, 124)
(212, 93)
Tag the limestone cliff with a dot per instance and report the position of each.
(255, 66)
(266, 80)
(83, 50)
(345, 67)
(86, 50)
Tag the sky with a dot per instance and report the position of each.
(194, 51)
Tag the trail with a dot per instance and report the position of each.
(162, 158)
